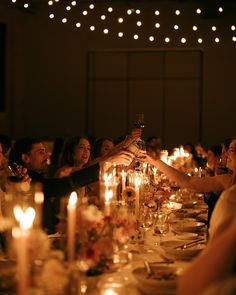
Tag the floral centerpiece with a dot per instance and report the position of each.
(98, 236)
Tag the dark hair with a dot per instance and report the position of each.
(216, 149)
(98, 146)
(57, 150)
(227, 142)
(20, 147)
(6, 142)
(68, 150)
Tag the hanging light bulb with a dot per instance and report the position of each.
(200, 40)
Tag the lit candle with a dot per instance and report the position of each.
(38, 199)
(123, 177)
(20, 235)
(71, 222)
(137, 182)
(108, 197)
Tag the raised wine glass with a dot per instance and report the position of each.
(139, 123)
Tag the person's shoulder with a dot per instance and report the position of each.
(230, 194)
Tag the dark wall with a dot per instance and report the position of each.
(46, 87)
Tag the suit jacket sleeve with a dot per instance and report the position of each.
(58, 187)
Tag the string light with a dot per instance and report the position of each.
(200, 40)
(198, 11)
(69, 5)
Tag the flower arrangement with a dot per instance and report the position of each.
(97, 235)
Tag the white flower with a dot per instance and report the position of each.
(53, 278)
(92, 214)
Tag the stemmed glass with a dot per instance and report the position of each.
(146, 222)
(120, 259)
(139, 123)
(161, 226)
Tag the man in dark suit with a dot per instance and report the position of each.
(31, 153)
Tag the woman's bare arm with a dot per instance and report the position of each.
(205, 184)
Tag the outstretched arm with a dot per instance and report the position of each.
(205, 184)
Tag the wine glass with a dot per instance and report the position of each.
(139, 121)
(161, 227)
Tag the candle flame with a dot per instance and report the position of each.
(137, 181)
(39, 198)
(25, 218)
(18, 213)
(108, 195)
(73, 199)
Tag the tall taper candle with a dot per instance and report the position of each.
(71, 222)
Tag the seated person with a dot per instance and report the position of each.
(205, 184)
(31, 153)
(102, 147)
(212, 272)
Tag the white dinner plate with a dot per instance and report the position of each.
(186, 212)
(181, 254)
(187, 236)
(162, 281)
(189, 226)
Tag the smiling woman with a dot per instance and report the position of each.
(76, 152)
